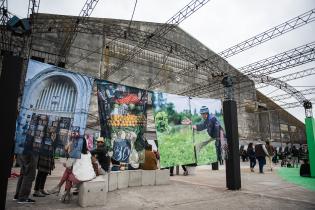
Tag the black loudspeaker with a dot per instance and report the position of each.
(233, 173)
(19, 26)
(9, 91)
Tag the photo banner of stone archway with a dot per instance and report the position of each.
(53, 110)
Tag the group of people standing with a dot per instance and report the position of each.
(260, 152)
(266, 154)
(90, 164)
(76, 171)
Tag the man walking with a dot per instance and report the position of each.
(261, 153)
(271, 151)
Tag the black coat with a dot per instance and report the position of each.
(102, 157)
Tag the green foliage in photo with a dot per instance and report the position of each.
(161, 121)
(206, 153)
(178, 143)
(176, 147)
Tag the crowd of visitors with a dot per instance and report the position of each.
(268, 155)
(91, 163)
(98, 161)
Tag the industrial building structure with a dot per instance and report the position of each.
(166, 63)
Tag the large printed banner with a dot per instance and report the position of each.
(184, 135)
(53, 110)
(122, 111)
(174, 131)
(208, 135)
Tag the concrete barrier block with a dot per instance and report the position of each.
(162, 177)
(123, 179)
(113, 180)
(105, 177)
(148, 177)
(93, 193)
(135, 178)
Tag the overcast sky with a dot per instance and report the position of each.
(219, 25)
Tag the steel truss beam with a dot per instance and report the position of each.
(293, 76)
(287, 96)
(59, 24)
(70, 37)
(294, 104)
(273, 64)
(4, 17)
(10, 39)
(279, 30)
(285, 60)
(33, 6)
(283, 28)
(161, 31)
(281, 85)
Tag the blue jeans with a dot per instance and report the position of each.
(252, 162)
(261, 163)
(115, 168)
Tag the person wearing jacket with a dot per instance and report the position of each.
(261, 153)
(295, 156)
(213, 127)
(101, 155)
(252, 156)
(271, 151)
(150, 161)
(79, 171)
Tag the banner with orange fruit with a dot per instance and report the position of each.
(122, 111)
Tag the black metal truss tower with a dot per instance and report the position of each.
(159, 32)
(70, 37)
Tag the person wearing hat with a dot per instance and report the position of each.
(101, 154)
(212, 125)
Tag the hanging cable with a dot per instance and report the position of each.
(134, 9)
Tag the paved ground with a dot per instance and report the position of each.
(203, 190)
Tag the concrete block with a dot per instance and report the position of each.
(93, 193)
(162, 177)
(105, 177)
(123, 179)
(148, 177)
(135, 178)
(113, 180)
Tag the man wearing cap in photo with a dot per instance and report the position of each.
(213, 128)
(101, 154)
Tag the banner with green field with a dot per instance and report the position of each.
(208, 149)
(179, 143)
